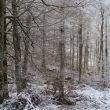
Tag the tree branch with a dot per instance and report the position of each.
(70, 6)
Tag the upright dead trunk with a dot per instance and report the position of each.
(17, 49)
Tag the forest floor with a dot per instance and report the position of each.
(36, 98)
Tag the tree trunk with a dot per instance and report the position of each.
(106, 48)
(43, 45)
(80, 51)
(26, 50)
(1, 49)
(5, 93)
(73, 53)
(62, 55)
(101, 48)
(17, 49)
(86, 57)
(77, 63)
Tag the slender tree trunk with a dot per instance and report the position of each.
(80, 51)
(26, 50)
(73, 53)
(77, 63)
(106, 49)
(5, 93)
(101, 48)
(98, 54)
(86, 55)
(90, 56)
(94, 63)
(62, 55)
(43, 45)
(70, 52)
(17, 48)
(1, 49)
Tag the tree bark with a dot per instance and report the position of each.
(86, 57)
(5, 93)
(17, 49)
(43, 45)
(80, 51)
(62, 55)
(1, 49)
(26, 50)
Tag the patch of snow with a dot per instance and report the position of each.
(86, 97)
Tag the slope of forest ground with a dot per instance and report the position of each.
(83, 96)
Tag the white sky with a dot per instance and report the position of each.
(107, 1)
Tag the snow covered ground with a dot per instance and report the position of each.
(85, 97)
